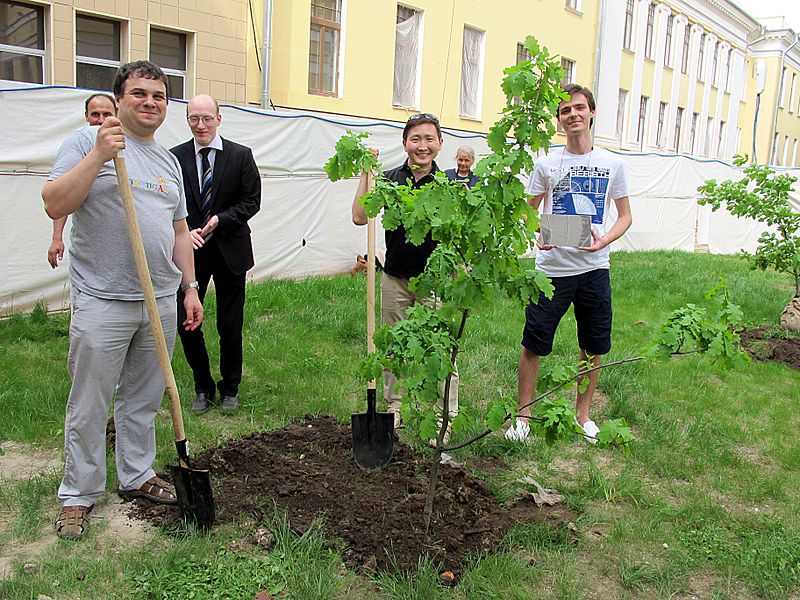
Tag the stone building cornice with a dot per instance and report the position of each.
(727, 20)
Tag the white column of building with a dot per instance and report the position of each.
(694, 45)
(606, 90)
(737, 94)
(635, 95)
(719, 148)
(678, 32)
(660, 27)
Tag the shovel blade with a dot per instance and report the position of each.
(195, 499)
(373, 436)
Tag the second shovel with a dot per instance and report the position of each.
(373, 432)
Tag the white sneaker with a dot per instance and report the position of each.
(591, 430)
(518, 432)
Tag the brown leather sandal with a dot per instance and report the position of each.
(72, 521)
(154, 489)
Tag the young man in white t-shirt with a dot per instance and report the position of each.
(575, 180)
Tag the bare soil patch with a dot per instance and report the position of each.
(761, 347)
(20, 462)
(307, 470)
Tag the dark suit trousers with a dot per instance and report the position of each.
(208, 263)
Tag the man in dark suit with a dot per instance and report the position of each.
(223, 191)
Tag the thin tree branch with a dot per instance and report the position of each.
(487, 431)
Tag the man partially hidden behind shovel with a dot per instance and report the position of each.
(110, 336)
(422, 141)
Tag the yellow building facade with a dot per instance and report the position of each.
(369, 54)
(699, 77)
(201, 44)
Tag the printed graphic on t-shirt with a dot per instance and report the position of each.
(580, 190)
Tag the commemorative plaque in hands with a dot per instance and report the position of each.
(566, 230)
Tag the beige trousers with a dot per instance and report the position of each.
(395, 299)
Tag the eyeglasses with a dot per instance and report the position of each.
(207, 119)
(426, 116)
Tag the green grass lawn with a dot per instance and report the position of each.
(705, 505)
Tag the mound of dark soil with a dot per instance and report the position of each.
(307, 470)
(762, 347)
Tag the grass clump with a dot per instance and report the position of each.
(302, 566)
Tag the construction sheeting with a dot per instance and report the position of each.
(304, 225)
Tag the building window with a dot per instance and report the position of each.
(714, 60)
(725, 84)
(785, 150)
(794, 153)
(700, 56)
(168, 50)
(687, 36)
(640, 129)
(323, 49)
(782, 89)
(472, 72)
(621, 106)
(709, 137)
(693, 132)
(668, 43)
(648, 35)
(21, 42)
(793, 93)
(678, 123)
(573, 4)
(662, 114)
(407, 58)
(522, 56)
(774, 154)
(568, 66)
(721, 140)
(627, 33)
(522, 53)
(97, 54)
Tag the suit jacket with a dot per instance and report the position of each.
(235, 197)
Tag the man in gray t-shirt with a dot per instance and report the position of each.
(110, 336)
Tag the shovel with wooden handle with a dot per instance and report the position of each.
(373, 432)
(192, 486)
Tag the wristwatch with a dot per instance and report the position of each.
(192, 284)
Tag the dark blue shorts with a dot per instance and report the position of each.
(590, 293)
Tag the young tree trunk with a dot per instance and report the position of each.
(437, 453)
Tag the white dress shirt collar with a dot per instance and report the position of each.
(216, 144)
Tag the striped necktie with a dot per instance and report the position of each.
(205, 185)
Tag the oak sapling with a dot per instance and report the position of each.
(481, 235)
(763, 195)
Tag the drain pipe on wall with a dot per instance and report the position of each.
(774, 141)
(601, 18)
(266, 55)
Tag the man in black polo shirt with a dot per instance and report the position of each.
(422, 140)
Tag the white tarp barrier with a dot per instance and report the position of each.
(304, 225)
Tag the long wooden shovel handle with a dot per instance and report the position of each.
(149, 296)
(370, 278)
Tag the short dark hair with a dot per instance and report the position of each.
(140, 68)
(421, 119)
(93, 96)
(574, 88)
